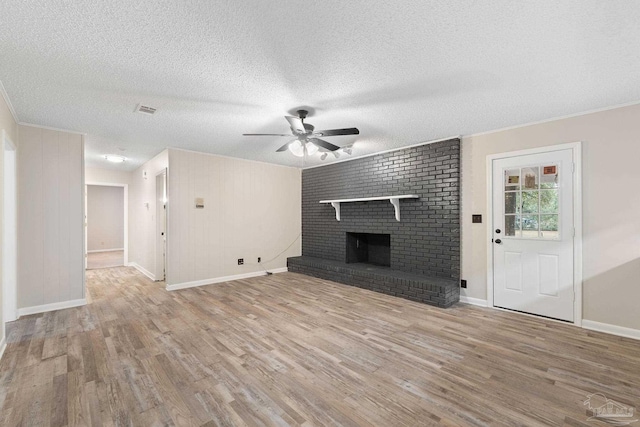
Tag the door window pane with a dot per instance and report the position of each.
(530, 226)
(512, 179)
(549, 178)
(530, 202)
(512, 202)
(548, 201)
(512, 225)
(549, 226)
(530, 178)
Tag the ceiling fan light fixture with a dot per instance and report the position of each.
(311, 148)
(115, 158)
(296, 148)
(324, 156)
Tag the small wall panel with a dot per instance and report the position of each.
(513, 270)
(548, 268)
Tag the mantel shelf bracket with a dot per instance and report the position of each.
(395, 201)
(336, 206)
(396, 206)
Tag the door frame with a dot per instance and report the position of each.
(161, 244)
(12, 313)
(576, 148)
(126, 218)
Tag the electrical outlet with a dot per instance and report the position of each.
(259, 259)
(240, 261)
(463, 283)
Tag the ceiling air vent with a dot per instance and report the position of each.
(145, 109)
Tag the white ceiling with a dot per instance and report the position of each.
(403, 72)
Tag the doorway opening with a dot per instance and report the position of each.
(9, 233)
(106, 225)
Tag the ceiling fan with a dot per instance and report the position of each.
(307, 141)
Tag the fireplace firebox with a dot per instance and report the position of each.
(369, 248)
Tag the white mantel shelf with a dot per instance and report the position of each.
(395, 201)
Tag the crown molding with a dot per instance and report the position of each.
(553, 119)
(5, 95)
(52, 128)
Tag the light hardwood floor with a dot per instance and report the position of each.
(294, 350)
(105, 259)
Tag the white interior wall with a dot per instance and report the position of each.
(105, 218)
(8, 222)
(142, 214)
(611, 206)
(106, 176)
(10, 126)
(252, 210)
(50, 218)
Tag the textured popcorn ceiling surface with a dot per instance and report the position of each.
(402, 71)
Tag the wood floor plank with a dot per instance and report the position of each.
(293, 350)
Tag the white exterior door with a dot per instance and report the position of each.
(533, 234)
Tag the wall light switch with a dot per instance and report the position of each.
(476, 219)
(199, 203)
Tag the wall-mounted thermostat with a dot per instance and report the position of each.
(199, 203)
(144, 174)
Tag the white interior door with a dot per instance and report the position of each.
(533, 234)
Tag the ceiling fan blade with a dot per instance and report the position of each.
(323, 144)
(284, 147)
(266, 134)
(296, 124)
(336, 132)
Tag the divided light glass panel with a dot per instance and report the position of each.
(531, 202)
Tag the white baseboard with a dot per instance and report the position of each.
(3, 345)
(142, 270)
(611, 329)
(473, 301)
(105, 250)
(195, 283)
(51, 307)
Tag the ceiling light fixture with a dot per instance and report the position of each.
(115, 158)
(297, 148)
(347, 150)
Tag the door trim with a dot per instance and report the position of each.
(576, 148)
(10, 296)
(160, 259)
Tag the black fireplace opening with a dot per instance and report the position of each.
(369, 248)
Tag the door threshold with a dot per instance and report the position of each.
(526, 313)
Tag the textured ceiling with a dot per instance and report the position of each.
(403, 72)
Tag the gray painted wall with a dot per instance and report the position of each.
(425, 241)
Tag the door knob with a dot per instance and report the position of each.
(498, 241)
